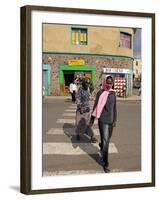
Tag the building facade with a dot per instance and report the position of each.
(95, 51)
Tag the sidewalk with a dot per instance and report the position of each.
(131, 98)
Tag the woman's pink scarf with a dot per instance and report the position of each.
(101, 102)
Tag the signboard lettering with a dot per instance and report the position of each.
(76, 62)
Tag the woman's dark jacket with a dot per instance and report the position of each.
(109, 113)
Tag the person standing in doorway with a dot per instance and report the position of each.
(73, 90)
(104, 110)
(83, 112)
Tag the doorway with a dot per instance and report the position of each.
(68, 78)
(68, 73)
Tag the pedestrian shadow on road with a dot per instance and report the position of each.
(84, 143)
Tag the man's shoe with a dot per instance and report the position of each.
(106, 169)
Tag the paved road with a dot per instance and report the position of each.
(62, 154)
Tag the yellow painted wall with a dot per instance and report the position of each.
(101, 40)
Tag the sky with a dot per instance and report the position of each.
(137, 44)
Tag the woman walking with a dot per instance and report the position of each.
(83, 111)
(105, 111)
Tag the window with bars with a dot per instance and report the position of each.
(125, 40)
(79, 36)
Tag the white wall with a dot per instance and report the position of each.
(10, 103)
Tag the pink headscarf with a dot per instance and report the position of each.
(104, 85)
(102, 100)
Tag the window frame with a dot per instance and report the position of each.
(128, 34)
(79, 29)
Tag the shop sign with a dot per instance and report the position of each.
(116, 70)
(76, 62)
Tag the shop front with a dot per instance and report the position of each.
(68, 73)
(123, 80)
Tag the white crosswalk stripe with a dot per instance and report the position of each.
(71, 172)
(91, 104)
(78, 172)
(70, 121)
(68, 131)
(69, 114)
(74, 107)
(74, 149)
(70, 110)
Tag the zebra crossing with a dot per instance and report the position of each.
(57, 148)
(62, 146)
